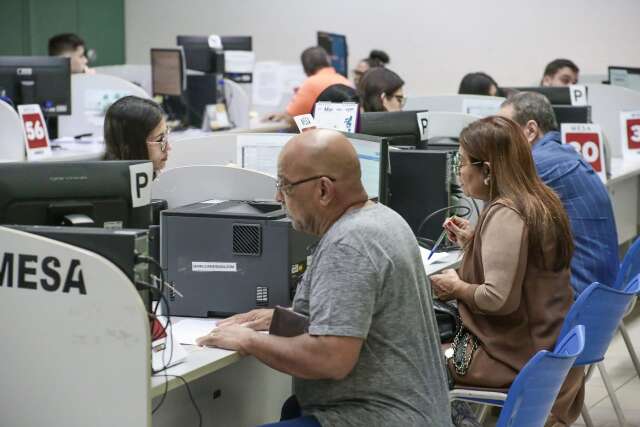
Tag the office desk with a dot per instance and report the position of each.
(71, 151)
(623, 187)
(250, 392)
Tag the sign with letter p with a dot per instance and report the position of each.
(141, 175)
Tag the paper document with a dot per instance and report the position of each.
(436, 257)
(239, 61)
(268, 84)
(187, 330)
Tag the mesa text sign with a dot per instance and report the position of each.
(28, 271)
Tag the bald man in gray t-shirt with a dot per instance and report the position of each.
(371, 356)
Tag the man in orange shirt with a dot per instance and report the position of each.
(316, 65)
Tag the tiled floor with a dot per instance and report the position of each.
(624, 377)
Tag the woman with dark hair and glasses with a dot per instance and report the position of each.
(135, 129)
(381, 90)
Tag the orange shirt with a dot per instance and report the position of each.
(303, 100)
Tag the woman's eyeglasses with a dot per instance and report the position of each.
(162, 140)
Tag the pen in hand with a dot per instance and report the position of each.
(436, 244)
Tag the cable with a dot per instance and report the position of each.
(150, 260)
(193, 401)
(445, 209)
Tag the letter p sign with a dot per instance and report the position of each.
(423, 124)
(140, 177)
(578, 95)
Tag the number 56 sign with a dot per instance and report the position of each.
(587, 141)
(35, 131)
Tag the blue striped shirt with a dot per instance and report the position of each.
(588, 206)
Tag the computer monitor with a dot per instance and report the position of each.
(260, 152)
(42, 80)
(237, 43)
(555, 95)
(336, 47)
(109, 194)
(168, 74)
(199, 56)
(400, 127)
(625, 76)
(572, 114)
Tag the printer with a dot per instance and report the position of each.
(227, 257)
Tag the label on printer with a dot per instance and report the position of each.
(229, 267)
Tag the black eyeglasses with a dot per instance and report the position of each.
(287, 187)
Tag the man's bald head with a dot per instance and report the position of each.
(321, 152)
(325, 172)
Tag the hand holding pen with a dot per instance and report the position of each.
(458, 230)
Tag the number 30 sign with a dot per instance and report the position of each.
(630, 127)
(35, 132)
(587, 141)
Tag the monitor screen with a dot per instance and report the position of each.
(336, 47)
(237, 43)
(260, 152)
(109, 194)
(572, 114)
(199, 56)
(555, 95)
(625, 77)
(400, 126)
(42, 80)
(167, 72)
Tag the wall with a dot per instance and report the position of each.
(27, 25)
(432, 44)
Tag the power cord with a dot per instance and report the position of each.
(152, 261)
(432, 214)
(193, 401)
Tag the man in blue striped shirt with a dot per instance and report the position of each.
(583, 194)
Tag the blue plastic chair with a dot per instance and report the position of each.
(533, 392)
(600, 309)
(629, 268)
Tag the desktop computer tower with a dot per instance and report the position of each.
(229, 257)
(420, 183)
(120, 246)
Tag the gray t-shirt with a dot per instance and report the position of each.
(367, 280)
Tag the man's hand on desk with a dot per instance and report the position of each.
(231, 337)
(258, 320)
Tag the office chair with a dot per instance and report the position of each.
(533, 392)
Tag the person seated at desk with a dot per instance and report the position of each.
(478, 84)
(73, 47)
(317, 65)
(377, 58)
(135, 129)
(381, 90)
(584, 196)
(371, 355)
(512, 287)
(560, 72)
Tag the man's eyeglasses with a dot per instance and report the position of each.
(286, 188)
(162, 140)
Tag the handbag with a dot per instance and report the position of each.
(448, 320)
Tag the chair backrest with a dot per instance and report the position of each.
(11, 135)
(238, 104)
(534, 390)
(191, 184)
(599, 308)
(630, 266)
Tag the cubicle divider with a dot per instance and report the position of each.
(91, 96)
(468, 104)
(138, 74)
(75, 341)
(12, 143)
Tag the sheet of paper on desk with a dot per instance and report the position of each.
(438, 256)
(187, 330)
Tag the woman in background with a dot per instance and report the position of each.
(377, 58)
(381, 90)
(478, 84)
(135, 129)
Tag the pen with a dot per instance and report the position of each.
(437, 243)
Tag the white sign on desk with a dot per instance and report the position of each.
(341, 116)
(35, 132)
(587, 140)
(578, 95)
(630, 132)
(481, 107)
(423, 124)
